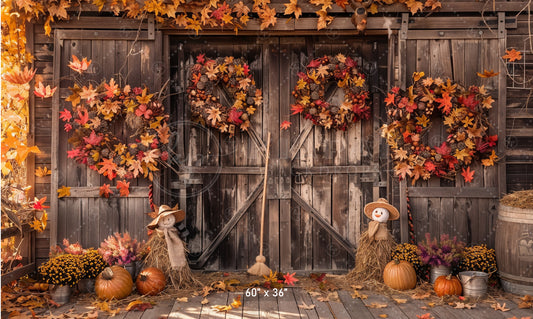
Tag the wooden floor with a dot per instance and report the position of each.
(287, 307)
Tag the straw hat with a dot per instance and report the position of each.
(383, 203)
(165, 210)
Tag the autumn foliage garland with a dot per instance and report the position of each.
(311, 89)
(465, 114)
(97, 110)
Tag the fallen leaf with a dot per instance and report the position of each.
(306, 307)
(462, 305)
(290, 279)
(524, 305)
(500, 307)
(400, 301)
(421, 295)
(383, 316)
(204, 301)
(221, 308)
(138, 305)
(376, 305)
(356, 294)
(236, 302)
(425, 316)
(183, 299)
(431, 304)
(323, 299)
(357, 287)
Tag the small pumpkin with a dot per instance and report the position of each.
(113, 282)
(447, 285)
(399, 275)
(150, 281)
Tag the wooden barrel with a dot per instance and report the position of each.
(514, 249)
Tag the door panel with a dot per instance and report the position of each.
(331, 173)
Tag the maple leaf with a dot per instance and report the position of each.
(414, 6)
(498, 306)
(42, 172)
(221, 308)
(341, 3)
(163, 132)
(293, 7)
(285, 125)
(400, 154)
(63, 191)
(418, 75)
(105, 191)
(124, 188)
(487, 74)
(434, 4)
(144, 98)
(490, 161)
(241, 9)
(425, 316)
(468, 175)
(290, 279)
(323, 19)
(108, 168)
(422, 120)
(17, 76)
(322, 71)
(390, 99)
(234, 116)
(59, 10)
(42, 91)
(111, 88)
(403, 169)
(445, 103)
(244, 83)
(296, 108)
(65, 115)
(79, 66)
(512, 55)
(193, 23)
(136, 168)
(93, 139)
(268, 17)
(470, 101)
(236, 303)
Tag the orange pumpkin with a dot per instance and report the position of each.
(113, 282)
(399, 275)
(447, 285)
(150, 281)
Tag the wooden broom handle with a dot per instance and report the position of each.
(264, 196)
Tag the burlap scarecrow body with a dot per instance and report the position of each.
(376, 243)
(167, 250)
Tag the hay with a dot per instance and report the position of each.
(371, 258)
(519, 199)
(181, 278)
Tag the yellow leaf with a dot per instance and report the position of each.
(183, 299)
(373, 8)
(63, 191)
(236, 302)
(132, 304)
(42, 172)
(400, 301)
(383, 316)
(204, 301)
(418, 75)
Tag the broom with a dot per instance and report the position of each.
(259, 268)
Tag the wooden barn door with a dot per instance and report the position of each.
(439, 206)
(318, 181)
(130, 58)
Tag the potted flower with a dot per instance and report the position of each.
(121, 249)
(440, 255)
(93, 265)
(62, 271)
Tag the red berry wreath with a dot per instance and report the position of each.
(465, 115)
(311, 87)
(235, 77)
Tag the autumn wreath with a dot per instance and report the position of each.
(311, 89)
(97, 111)
(232, 75)
(464, 112)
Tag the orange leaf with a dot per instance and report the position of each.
(487, 74)
(468, 175)
(445, 103)
(124, 188)
(425, 316)
(42, 172)
(285, 125)
(236, 302)
(434, 4)
(108, 168)
(105, 191)
(418, 75)
(498, 306)
(268, 17)
(512, 55)
(42, 91)
(18, 76)
(414, 6)
(293, 7)
(79, 66)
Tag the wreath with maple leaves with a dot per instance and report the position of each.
(465, 115)
(312, 85)
(94, 114)
(234, 76)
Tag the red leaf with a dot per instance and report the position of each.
(234, 116)
(315, 63)
(296, 108)
(471, 102)
(468, 175)
(429, 166)
(83, 117)
(342, 3)
(285, 125)
(93, 139)
(290, 279)
(200, 58)
(105, 191)
(411, 106)
(443, 149)
(65, 115)
(124, 188)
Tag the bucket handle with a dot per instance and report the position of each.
(474, 276)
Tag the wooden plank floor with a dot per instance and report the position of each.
(296, 303)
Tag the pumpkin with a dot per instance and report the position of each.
(150, 281)
(399, 275)
(447, 285)
(113, 282)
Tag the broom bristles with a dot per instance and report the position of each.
(259, 268)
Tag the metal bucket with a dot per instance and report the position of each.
(437, 271)
(474, 283)
(60, 294)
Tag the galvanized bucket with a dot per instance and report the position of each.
(437, 271)
(474, 283)
(60, 294)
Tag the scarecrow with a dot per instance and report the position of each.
(167, 250)
(376, 243)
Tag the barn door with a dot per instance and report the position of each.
(130, 58)
(318, 178)
(439, 206)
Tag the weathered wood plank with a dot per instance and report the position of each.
(194, 309)
(470, 192)
(288, 308)
(322, 308)
(355, 307)
(303, 299)
(235, 313)
(268, 304)
(341, 169)
(392, 310)
(160, 309)
(250, 305)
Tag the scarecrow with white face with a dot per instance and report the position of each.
(376, 243)
(167, 250)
